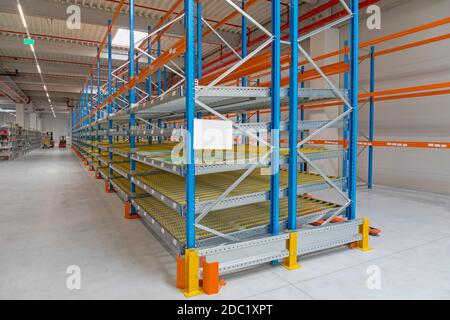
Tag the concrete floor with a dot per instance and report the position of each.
(53, 214)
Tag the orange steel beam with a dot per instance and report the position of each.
(392, 93)
(261, 65)
(143, 45)
(102, 44)
(180, 46)
(285, 80)
(161, 22)
(389, 144)
(404, 33)
(229, 17)
(329, 70)
(388, 98)
(406, 90)
(178, 49)
(377, 54)
(376, 99)
(413, 45)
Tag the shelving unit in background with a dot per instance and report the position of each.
(16, 141)
(222, 217)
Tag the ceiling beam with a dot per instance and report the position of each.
(99, 17)
(46, 46)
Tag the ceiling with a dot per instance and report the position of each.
(65, 55)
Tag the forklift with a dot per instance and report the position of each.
(62, 142)
(47, 141)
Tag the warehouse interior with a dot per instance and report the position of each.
(330, 184)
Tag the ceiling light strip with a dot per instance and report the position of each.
(24, 22)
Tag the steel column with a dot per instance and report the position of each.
(92, 96)
(116, 102)
(158, 74)
(303, 166)
(149, 126)
(244, 40)
(160, 125)
(346, 126)
(132, 97)
(275, 120)
(99, 96)
(190, 113)
(293, 118)
(258, 119)
(199, 39)
(109, 107)
(244, 120)
(148, 82)
(353, 147)
(371, 117)
(165, 79)
(99, 100)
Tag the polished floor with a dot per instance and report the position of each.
(54, 214)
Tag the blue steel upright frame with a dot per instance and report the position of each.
(371, 117)
(244, 41)
(293, 117)
(148, 81)
(275, 119)
(132, 100)
(99, 98)
(190, 114)
(158, 73)
(193, 69)
(303, 166)
(109, 107)
(199, 40)
(353, 94)
(346, 126)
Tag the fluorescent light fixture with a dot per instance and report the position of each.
(22, 16)
(7, 110)
(30, 42)
(122, 37)
(92, 89)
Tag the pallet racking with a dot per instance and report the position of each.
(16, 141)
(220, 218)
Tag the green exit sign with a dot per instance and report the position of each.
(28, 41)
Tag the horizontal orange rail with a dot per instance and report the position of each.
(178, 49)
(102, 44)
(161, 22)
(376, 99)
(389, 144)
(262, 62)
(407, 93)
(256, 62)
(362, 57)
